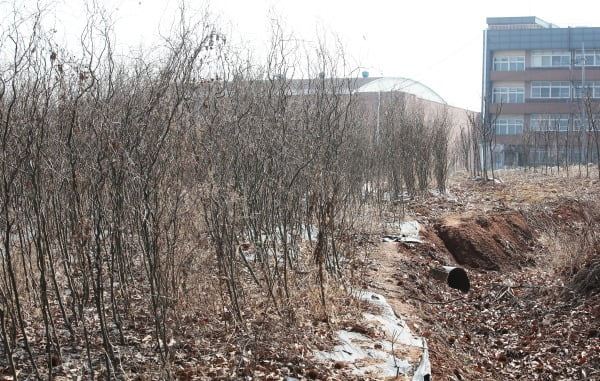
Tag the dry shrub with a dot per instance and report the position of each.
(586, 275)
(573, 240)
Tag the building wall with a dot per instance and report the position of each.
(457, 116)
(516, 44)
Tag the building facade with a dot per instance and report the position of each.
(541, 91)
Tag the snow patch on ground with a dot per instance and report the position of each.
(376, 357)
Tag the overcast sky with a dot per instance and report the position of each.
(438, 43)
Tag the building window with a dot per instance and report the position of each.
(510, 63)
(549, 122)
(550, 58)
(508, 95)
(587, 57)
(581, 122)
(587, 89)
(509, 126)
(549, 90)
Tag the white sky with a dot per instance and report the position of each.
(437, 42)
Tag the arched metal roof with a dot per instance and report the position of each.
(405, 85)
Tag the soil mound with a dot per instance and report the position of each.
(569, 211)
(491, 241)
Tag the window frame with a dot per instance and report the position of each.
(508, 126)
(508, 63)
(550, 58)
(581, 58)
(594, 86)
(550, 90)
(537, 122)
(505, 94)
(577, 123)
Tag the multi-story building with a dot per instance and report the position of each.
(537, 81)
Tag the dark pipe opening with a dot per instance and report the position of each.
(454, 277)
(458, 279)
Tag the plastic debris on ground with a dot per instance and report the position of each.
(376, 357)
(407, 231)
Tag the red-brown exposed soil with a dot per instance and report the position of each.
(570, 211)
(525, 317)
(489, 241)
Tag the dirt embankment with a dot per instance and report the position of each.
(499, 241)
(526, 316)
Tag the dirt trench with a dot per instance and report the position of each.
(486, 334)
(496, 241)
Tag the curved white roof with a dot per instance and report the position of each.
(406, 85)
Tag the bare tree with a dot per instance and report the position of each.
(591, 114)
(479, 149)
(485, 130)
(139, 193)
(441, 148)
(465, 147)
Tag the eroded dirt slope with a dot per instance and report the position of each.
(519, 241)
(488, 241)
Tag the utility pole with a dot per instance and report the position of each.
(583, 120)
